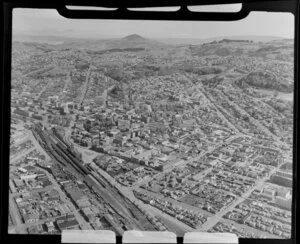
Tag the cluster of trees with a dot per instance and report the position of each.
(203, 70)
(59, 120)
(230, 40)
(116, 73)
(266, 80)
(213, 82)
(116, 92)
(82, 65)
(134, 49)
(278, 104)
(80, 142)
(39, 73)
(222, 51)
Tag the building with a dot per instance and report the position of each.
(30, 218)
(283, 202)
(282, 179)
(67, 222)
(268, 193)
(50, 226)
(28, 177)
(284, 198)
(12, 187)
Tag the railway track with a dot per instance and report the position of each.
(64, 156)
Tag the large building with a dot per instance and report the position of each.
(67, 222)
(281, 196)
(282, 179)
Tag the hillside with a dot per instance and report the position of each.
(266, 80)
(266, 65)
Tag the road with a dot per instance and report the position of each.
(253, 121)
(183, 162)
(156, 212)
(214, 220)
(246, 228)
(150, 209)
(109, 195)
(117, 203)
(43, 90)
(127, 191)
(67, 82)
(45, 69)
(84, 89)
(22, 154)
(174, 202)
(14, 210)
(20, 226)
(218, 111)
(36, 190)
(83, 223)
(36, 146)
(129, 194)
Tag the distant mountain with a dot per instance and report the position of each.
(134, 37)
(197, 41)
(33, 46)
(127, 42)
(282, 49)
(134, 41)
(41, 39)
(247, 37)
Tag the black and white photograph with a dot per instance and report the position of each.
(151, 125)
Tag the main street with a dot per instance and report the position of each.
(39, 71)
(20, 155)
(208, 98)
(84, 89)
(218, 111)
(66, 85)
(14, 210)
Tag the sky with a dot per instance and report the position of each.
(49, 22)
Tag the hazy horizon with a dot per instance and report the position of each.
(154, 38)
(48, 22)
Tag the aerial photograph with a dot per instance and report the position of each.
(151, 125)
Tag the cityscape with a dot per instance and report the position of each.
(132, 133)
